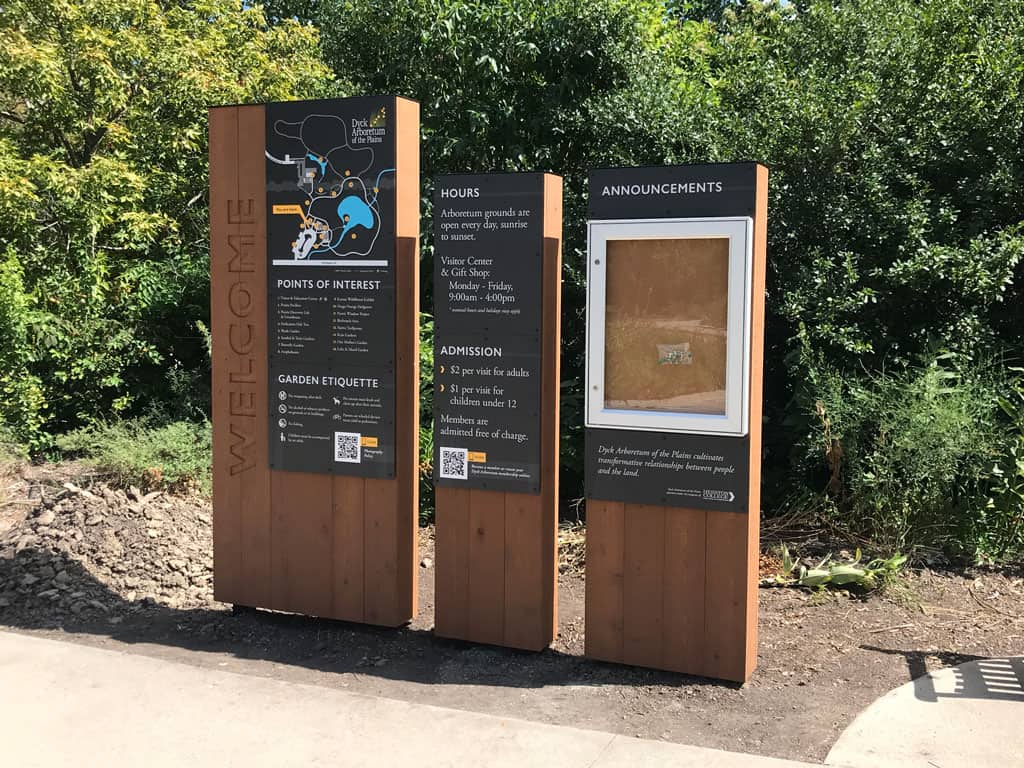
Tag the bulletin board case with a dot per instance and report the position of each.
(668, 318)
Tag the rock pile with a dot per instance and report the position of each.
(105, 552)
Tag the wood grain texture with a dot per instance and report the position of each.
(348, 501)
(486, 566)
(451, 562)
(303, 543)
(497, 552)
(337, 547)
(676, 588)
(643, 585)
(525, 597)
(604, 590)
(683, 607)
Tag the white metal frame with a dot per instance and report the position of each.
(739, 231)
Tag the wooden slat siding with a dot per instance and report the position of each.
(381, 530)
(255, 489)
(524, 600)
(227, 526)
(643, 585)
(451, 562)
(725, 593)
(348, 503)
(486, 566)
(604, 594)
(683, 591)
(303, 543)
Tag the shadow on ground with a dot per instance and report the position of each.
(974, 677)
(81, 605)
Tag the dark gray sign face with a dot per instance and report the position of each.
(682, 191)
(330, 285)
(488, 263)
(675, 470)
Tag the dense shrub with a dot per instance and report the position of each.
(909, 452)
(173, 456)
(103, 232)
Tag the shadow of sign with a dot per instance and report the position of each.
(972, 677)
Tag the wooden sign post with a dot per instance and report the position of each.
(497, 285)
(314, 290)
(675, 327)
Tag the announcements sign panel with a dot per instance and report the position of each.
(488, 259)
(668, 346)
(330, 285)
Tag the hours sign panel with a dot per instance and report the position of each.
(331, 285)
(488, 259)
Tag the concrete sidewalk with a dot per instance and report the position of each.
(68, 704)
(970, 715)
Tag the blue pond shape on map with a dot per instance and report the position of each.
(358, 212)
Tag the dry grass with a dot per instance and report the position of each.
(572, 547)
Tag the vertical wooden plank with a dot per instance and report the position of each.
(759, 293)
(683, 589)
(227, 525)
(486, 566)
(551, 395)
(302, 541)
(451, 562)
(407, 376)
(381, 531)
(728, 620)
(250, 340)
(643, 581)
(526, 591)
(604, 594)
(348, 503)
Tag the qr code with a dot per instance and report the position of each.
(346, 447)
(453, 463)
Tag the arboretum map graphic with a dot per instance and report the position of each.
(330, 185)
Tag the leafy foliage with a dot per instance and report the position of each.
(832, 572)
(173, 456)
(910, 452)
(102, 182)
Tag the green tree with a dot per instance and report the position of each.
(102, 182)
(527, 85)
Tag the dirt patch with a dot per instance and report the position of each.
(118, 568)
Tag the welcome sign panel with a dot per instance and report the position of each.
(330, 169)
